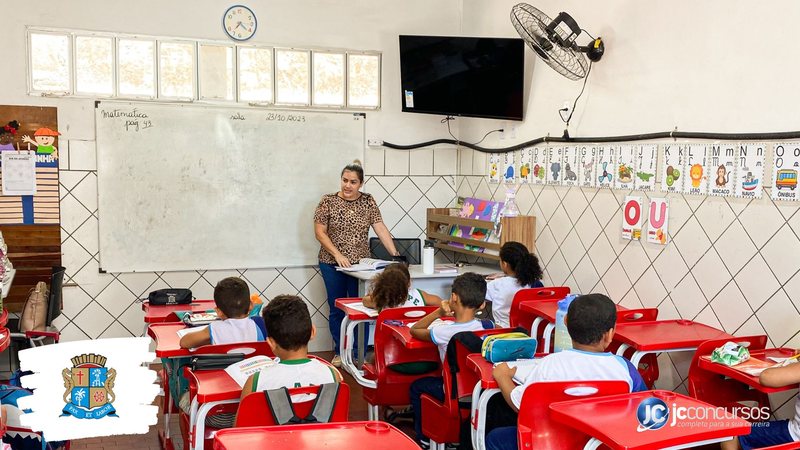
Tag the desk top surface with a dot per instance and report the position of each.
(546, 309)
(415, 270)
(663, 335)
(156, 314)
(705, 363)
(167, 340)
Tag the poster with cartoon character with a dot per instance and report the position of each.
(586, 166)
(785, 164)
(646, 160)
(605, 161)
(721, 169)
(672, 171)
(658, 221)
(569, 166)
(509, 167)
(524, 165)
(632, 216)
(750, 172)
(495, 166)
(554, 158)
(695, 169)
(539, 164)
(625, 166)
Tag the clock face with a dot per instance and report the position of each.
(239, 22)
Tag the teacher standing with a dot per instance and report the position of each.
(341, 225)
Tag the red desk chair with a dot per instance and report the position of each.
(536, 430)
(518, 318)
(714, 388)
(391, 385)
(787, 446)
(254, 410)
(441, 421)
(648, 367)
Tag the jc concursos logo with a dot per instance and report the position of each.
(652, 414)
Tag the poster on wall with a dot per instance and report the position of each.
(569, 166)
(785, 164)
(604, 166)
(524, 167)
(750, 173)
(632, 218)
(646, 160)
(587, 166)
(509, 167)
(495, 166)
(554, 156)
(671, 171)
(19, 173)
(695, 170)
(538, 164)
(658, 221)
(721, 169)
(626, 157)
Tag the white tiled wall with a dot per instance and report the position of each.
(104, 305)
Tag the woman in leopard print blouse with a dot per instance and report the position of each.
(341, 225)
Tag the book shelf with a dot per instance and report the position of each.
(521, 229)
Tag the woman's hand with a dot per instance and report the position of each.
(342, 261)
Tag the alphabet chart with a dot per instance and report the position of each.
(646, 158)
(695, 170)
(509, 175)
(539, 164)
(750, 173)
(785, 164)
(524, 168)
(632, 218)
(569, 166)
(586, 168)
(625, 166)
(658, 221)
(721, 169)
(604, 167)
(555, 155)
(672, 175)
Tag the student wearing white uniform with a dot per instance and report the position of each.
(522, 271)
(767, 434)
(392, 289)
(289, 329)
(590, 321)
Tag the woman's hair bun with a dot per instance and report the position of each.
(357, 162)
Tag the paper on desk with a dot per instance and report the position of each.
(433, 324)
(183, 332)
(524, 368)
(366, 264)
(242, 370)
(783, 361)
(365, 309)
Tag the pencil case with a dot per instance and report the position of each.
(508, 347)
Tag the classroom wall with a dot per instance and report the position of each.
(404, 183)
(710, 66)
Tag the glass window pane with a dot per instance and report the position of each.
(94, 65)
(329, 79)
(136, 68)
(255, 74)
(176, 69)
(50, 62)
(292, 77)
(216, 72)
(364, 80)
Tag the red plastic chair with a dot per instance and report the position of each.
(518, 318)
(648, 367)
(254, 410)
(441, 421)
(787, 446)
(392, 386)
(537, 431)
(716, 389)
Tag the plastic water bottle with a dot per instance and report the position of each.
(562, 339)
(510, 209)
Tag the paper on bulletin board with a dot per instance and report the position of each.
(605, 160)
(19, 173)
(672, 175)
(569, 166)
(632, 216)
(509, 167)
(695, 170)
(625, 166)
(554, 157)
(586, 168)
(721, 169)
(750, 172)
(539, 164)
(646, 160)
(785, 164)
(524, 165)
(658, 221)
(495, 165)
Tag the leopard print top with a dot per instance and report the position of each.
(348, 223)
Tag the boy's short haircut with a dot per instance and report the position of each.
(589, 317)
(471, 289)
(232, 297)
(287, 321)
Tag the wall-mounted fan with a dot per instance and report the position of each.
(554, 40)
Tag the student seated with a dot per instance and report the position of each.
(289, 329)
(233, 304)
(522, 271)
(469, 291)
(776, 432)
(392, 289)
(590, 321)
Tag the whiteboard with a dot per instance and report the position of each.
(185, 187)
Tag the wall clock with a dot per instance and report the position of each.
(239, 22)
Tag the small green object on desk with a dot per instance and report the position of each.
(730, 354)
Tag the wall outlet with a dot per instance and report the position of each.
(374, 142)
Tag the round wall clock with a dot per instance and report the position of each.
(239, 22)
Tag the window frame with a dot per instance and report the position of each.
(70, 62)
(195, 81)
(344, 78)
(156, 87)
(238, 74)
(380, 80)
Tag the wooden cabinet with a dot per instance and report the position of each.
(520, 229)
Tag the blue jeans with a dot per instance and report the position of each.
(337, 285)
(433, 386)
(766, 434)
(502, 438)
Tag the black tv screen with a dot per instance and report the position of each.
(462, 76)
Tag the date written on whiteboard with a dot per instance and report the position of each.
(273, 117)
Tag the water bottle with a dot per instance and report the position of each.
(427, 258)
(510, 209)
(562, 340)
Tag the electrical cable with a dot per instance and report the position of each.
(458, 142)
(575, 103)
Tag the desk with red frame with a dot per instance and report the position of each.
(353, 319)
(403, 334)
(663, 336)
(210, 388)
(168, 346)
(158, 314)
(331, 436)
(706, 364)
(612, 420)
(545, 311)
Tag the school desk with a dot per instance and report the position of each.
(483, 391)
(545, 311)
(330, 436)
(706, 364)
(612, 421)
(663, 336)
(5, 337)
(158, 314)
(214, 388)
(403, 334)
(353, 319)
(168, 346)
(434, 283)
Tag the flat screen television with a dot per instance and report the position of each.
(462, 76)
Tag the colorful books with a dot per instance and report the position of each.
(475, 208)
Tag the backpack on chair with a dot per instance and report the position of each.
(34, 311)
(282, 409)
